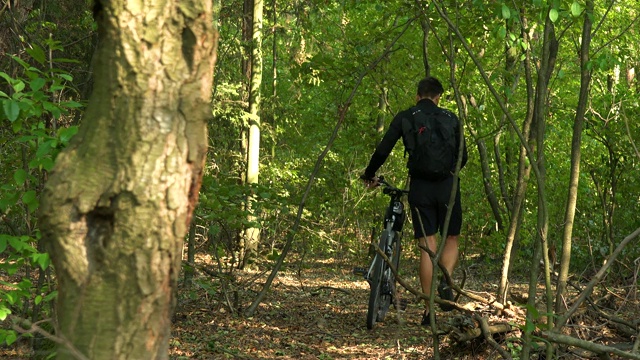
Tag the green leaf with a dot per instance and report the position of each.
(506, 13)
(65, 134)
(4, 311)
(11, 337)
(18, 86)
(29, 196)
(37, 54)
(502, 32)
(16, 243)
(37, 84)
(11, 109)
(53, 109)
(47, 164)
(535, 314)
(44, 149)
(553, 15)
(23, 63)
(38, 299)
(42, 259)
(16, 126)
(20, 176)
(52, 295)
(265, 195)
(67, 77)
(30, 199)
(6, 76)
(8, 200)
(529, 327)
(576, 9)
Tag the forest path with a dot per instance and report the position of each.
(315, 313)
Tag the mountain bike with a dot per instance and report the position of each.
(379, 274)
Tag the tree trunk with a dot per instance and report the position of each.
(572, 198)
(524, 170)
(549, 53)
(252, 233)
(424, 24)
(486, 177)
(382, 109)
(119, 201)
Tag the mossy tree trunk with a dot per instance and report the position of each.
(119, 201)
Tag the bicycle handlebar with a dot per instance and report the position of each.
(390, 189)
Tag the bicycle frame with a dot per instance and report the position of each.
(393, 221)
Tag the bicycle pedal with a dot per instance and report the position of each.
(360, 271)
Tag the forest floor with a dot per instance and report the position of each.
(316, 309)
(318, 312)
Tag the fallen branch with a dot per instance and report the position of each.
(596, 279)
(587, 345)
(31, 328)
(488, 331)
(492, 302)
(317, 290)
(470, 334)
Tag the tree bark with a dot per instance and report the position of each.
(572, 197)
(119, 201)
(549, 54)
(524, 171)
(587, 345)
(252, 233)
(492, 199)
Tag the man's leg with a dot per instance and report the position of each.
(426, 267)
(449, 257)
(448, 260)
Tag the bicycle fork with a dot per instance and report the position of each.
(367, 272)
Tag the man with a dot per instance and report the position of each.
(428, 195)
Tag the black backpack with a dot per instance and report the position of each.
(430, 140)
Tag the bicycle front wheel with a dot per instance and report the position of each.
(376, 289)
(388, 289)
(381, 293)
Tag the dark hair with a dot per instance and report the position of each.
(430, 87)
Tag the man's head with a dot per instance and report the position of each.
(430, 88)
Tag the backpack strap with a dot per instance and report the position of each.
(408, 130)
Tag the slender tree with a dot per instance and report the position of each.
(119, 201)
(576, 142)
(549, 54)
(252, 233)
(524, 171)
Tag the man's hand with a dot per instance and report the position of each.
(370, 182)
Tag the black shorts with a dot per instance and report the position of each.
(429, 201)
